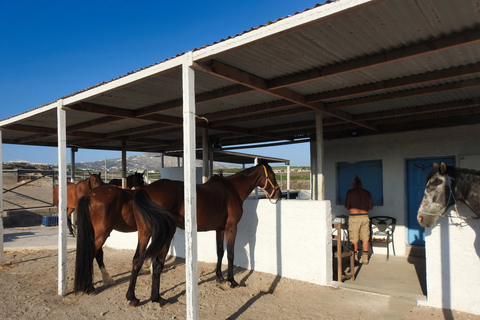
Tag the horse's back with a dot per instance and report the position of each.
(72, 198)
(112, 207)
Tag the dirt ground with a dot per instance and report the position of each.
(29, 291)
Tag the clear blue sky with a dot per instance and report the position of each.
(50, 49)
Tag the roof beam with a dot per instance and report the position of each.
(426, 47)
(247, 79)
(398, 83)
(405, 94)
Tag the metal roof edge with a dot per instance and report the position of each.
(27, 114)
(125, 80)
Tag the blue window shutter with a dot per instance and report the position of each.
(370, 172)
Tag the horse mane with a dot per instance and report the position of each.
(462, 178)
(261, 162)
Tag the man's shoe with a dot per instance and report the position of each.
(364, 260)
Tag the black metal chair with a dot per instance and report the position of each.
(381, 231)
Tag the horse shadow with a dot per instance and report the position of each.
(10, 237)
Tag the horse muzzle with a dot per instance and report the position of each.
(427, 221)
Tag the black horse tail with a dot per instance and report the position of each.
(159, 219)
(85, 248)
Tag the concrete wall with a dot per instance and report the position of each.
(291, 239)
(453, 264)
(452, 258)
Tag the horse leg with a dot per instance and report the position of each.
(106, 278)
(138, 260)
(231, 233)
(220, 251)
(69, 221)
(158, 265)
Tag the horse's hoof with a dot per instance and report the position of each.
(110, 282)
(90, 290)
(233, 284)
(134, 302)
(162, 302)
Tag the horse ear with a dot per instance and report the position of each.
(443, 167)
(435, 166)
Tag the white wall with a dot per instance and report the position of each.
(453, 264)
(176, 173)
(452, 261)
(291, 238)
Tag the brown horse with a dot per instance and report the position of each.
(219, 207)
(133, 181)
(75, 192)
(99, 212)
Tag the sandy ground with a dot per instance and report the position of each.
(29, 291)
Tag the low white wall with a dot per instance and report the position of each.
(291, 239)
(453, 264)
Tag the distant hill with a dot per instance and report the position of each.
(145, 161)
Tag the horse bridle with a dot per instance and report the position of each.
(450, 196)
(267, 181)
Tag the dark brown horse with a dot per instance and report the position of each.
(219, 207)
(75, 192)
(133, 181)
(99, 212)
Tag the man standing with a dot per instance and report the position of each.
(359, 202)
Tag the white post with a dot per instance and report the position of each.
(288, 180)
(62, 203)
(124, 164)
(72, 165)
(319, 142)
(1, 199)
(188, 77)
(255, 162)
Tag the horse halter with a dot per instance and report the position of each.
(267, 181)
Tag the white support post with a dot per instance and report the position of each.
(313, 169)
(188, 79)
(124, 164)
(288, 180)
(1, 198)
(62, 203)
(72, 165)
(319, 159)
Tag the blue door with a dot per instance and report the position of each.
(417, 171)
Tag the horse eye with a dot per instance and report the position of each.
(437, 182)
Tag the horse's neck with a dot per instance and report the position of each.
(472, 197)
(245, 181)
